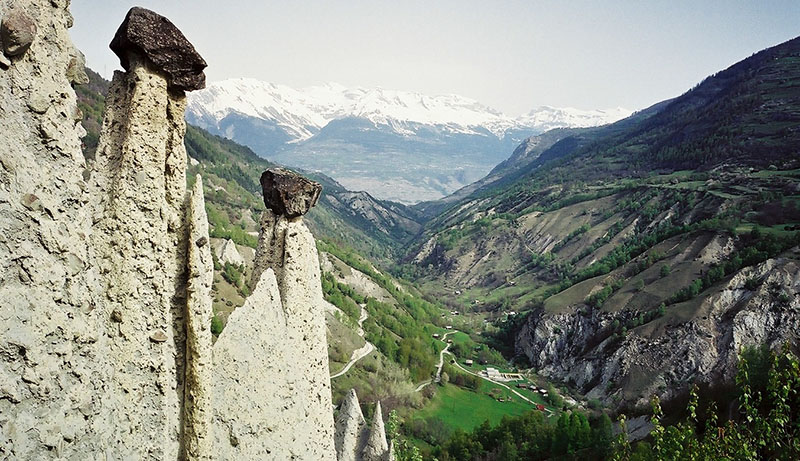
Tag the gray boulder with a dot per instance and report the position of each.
(287, 193)
(17, 32)
(155, 37)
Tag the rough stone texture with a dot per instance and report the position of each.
(105, 274)
(149, 34)
(351, 429)
(76, 72)
(17, 31)
(198, 402)
(252, 393)
(140, 240)
(227, 253)
(663, 357)
(271, 243)
(92, 261)
(287, 193)
(287, 247)
(376, 449)
(50, 383)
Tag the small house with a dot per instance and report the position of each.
(468, 362)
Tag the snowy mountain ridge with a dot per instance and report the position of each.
(303, 113)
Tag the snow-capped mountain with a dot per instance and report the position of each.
(302, 113)
(546, 117)
(397, 145)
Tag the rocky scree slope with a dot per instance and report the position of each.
(628, 246)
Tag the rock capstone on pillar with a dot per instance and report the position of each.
(287, 247)
(153, 36)
(287, 193)
(107, 273)
(139, 181)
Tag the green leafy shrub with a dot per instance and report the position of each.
(216, 325)
(768, 426)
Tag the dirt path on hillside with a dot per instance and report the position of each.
(438, 376)
(359, 353)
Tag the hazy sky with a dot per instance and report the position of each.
(511, 55)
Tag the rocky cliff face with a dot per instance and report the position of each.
(106, 272)
(696, 342)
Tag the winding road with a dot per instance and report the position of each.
(438, 377)
(361, 352)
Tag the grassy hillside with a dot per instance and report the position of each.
(408, 333)
(747, 115)
(722, 155)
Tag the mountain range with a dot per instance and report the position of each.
(397, 145)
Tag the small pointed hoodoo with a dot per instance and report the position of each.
(377, 449)
(351, 429)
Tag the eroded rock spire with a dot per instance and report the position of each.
(141, 239)
(376, 449)
(107, 272)
(351, 429)
(94, 254)
(354, 440)
(298, 425)
(198, 400)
